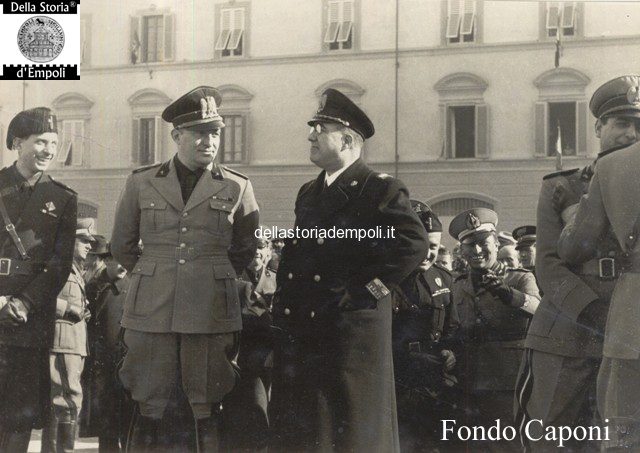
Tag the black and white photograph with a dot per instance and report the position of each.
(320, 225)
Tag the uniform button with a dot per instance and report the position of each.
(182, 261)
(316, 278)
(185, 214)
(478, 321)
(320, 241)
(631, 237)
(294, 242)
(625, 255)
(183, 245)
(224, 206)
(183, 229)
(477, 299)
(290, 276)
(312, 314)
(152, 205)
(287, 311)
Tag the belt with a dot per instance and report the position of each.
(12, 266)
(603, 268)
(422, 346)
(184, 252)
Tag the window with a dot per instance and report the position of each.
(339, 27)
(229, 40)
(564, 16)
(71, 143)
(232, 142)
(561, 112)
(464, 116)
(148, 140)
(461, 21)
(152, 34)
(148, 132)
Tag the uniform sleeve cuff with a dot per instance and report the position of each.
(61, 308)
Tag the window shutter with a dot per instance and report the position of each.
(541, 112)
(135, 44)
(85, 39)
(347, 21)
(453, 18)
(446, 131)
(237, 28)
(225, 30)
(568, 14)
(65, 143)
(553, 15)
(158, 145)
(469, 17)
(169, 34)
(333, 24)
(135, 142)
(77, 155)
(482, 131)
(581, 128)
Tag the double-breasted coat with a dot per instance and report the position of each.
(70, 337)
(333, 375)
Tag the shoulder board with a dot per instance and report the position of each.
(443, 269)
(237, 173)
(517, 269)
(64, 186)
(560, 173)
(145, 168)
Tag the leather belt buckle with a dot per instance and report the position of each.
(5, 266)
(607, 268)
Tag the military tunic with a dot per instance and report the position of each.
(333, 376)
(44, 216)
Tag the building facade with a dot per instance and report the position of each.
(465, 95)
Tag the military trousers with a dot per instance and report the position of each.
(66, 390)
(24, 387)
(204, 365)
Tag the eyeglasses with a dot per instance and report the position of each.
(318, 128)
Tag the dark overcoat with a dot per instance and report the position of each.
(333, 375)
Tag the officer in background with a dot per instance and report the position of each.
(38, 218)
(333, 371)
(505, 238)
(197, 223)
(494, 303)
(424, 322)
(69, 350)
(526, 246)
(565, 337)
(508, 255)
(94, 264)
(444, 258)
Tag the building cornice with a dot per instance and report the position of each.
(365, 55)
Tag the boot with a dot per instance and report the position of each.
(15, 442)
(49, 437)
(144, 436)
(66, 437)
(208, 434)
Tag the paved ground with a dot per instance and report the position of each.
(85, 445)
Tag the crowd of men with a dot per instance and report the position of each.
(186, 331)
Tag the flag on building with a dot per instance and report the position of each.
(559, 148)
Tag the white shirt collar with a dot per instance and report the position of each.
(330, 179)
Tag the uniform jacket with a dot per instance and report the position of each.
(340, 337)
(555, 327)
(46, 224)
(612, 203)
(71, 337)
(184, 279)
(493, 332)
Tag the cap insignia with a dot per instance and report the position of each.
(50, 121)
(473, 221)
(208, 107)
(633, 95)
(430, 223)
(323, 102)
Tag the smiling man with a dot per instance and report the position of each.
(197, 223)
(38, 219)
(494, 303)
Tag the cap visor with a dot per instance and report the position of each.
(477, 237)
(203, 127)
(630, 113)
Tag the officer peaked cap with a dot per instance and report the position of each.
(619, 96)
(428, 218)
(196, 110)
(335, 107)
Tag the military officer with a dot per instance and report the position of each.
(564, 342)
(38, 218)
(333, 382)
(197, 224)
(526, 246)
(508, 255)
(444, 258)
(612, 204)
(505, 238)
(69, 350)
(494, 303)
(423, 323)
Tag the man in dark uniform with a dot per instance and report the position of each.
(494, 303)
(333, 376)
(423, 322)
(565, 337)
(526, 246)
(38, 217)
(197, 223)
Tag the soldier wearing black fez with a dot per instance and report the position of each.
(495, 304)
(424, 323)
(611, 206)
(182, 316)
(333, 375)
(565, 337)
(38, 219)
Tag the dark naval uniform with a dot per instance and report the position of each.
(612, 204)
(564, 342)
(44, 216)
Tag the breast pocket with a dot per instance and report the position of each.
(153, 213)
(140, 296)
(226, 301)
(221, 213)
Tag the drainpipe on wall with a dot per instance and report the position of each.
(397, 65)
